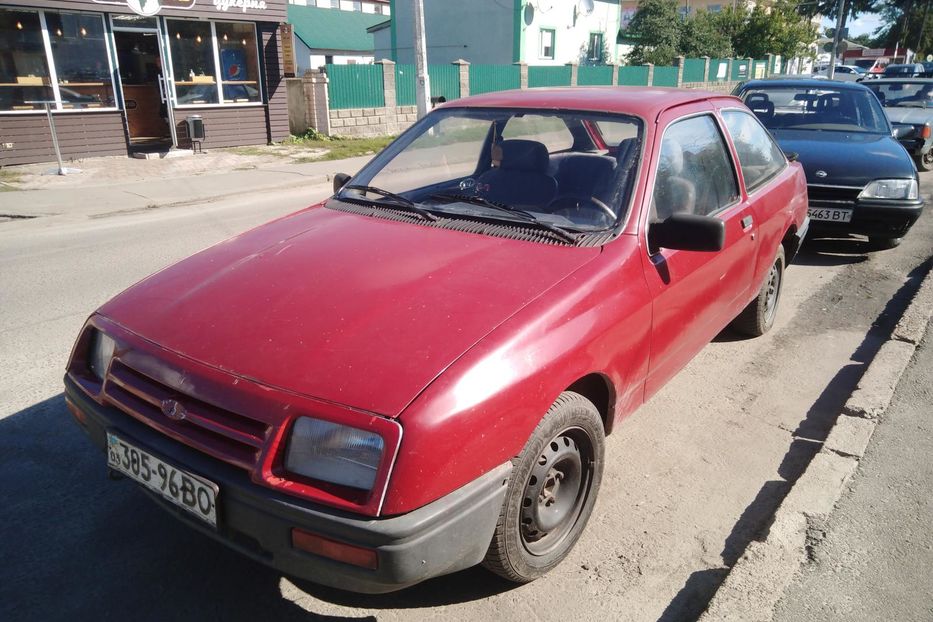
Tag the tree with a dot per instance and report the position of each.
(703, 35)
(655, 31)
(778, 29)
(830, 8)
(906, 25)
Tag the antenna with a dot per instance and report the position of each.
(586, 7)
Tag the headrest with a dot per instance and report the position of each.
(523, 155)
(672, 156)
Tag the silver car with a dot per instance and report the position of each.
(908, 103)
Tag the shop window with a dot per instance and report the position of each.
(79, 54)
(547, 44)
(193, 64)
(239, 62)
(24, 69)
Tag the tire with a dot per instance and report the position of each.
(551, 491)
(883, 244)
(758, 317)
(925, 161)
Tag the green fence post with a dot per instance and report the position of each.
(769, 65)
(706, 70)
(650, 67)
(729, 69)
(615, 74)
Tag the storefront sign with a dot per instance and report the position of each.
(148, 8)
(244, 5)
(288, 50)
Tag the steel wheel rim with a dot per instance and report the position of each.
(772, 292)
(556, 491)
(928, 157)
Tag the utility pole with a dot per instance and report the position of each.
(840, 19)
(422, 81)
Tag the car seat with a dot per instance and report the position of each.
(520, 179)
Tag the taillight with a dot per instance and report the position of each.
(926, 132)
(325, 547)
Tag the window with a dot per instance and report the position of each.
(550, 131)
(192, 49)
(547, 44)
(694, 173)
(714, 8)
(357, 6)
(594, 50)
(24, 69)
(817, 108)
(239, 63)
(82, 66)
(759, 156)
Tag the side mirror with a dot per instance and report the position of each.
(687, 232)
(340, 180)
(792, 156)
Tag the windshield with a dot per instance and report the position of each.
(566, 170)
(904, 94)
(817, 108)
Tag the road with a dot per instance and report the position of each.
(689, 479)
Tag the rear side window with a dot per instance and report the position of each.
(695, 175)
(759, 156)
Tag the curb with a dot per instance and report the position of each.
(757, 581)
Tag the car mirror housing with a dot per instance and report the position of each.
(340, 180)
(687, 232)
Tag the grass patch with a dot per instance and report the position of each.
(8, 178)
(337, 148)
(254, 151)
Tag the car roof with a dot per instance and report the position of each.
(641, 101)
(805, 83)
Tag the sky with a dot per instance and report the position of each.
(864, 24)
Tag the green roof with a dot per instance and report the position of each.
(333, 29)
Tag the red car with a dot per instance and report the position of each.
(417, 375)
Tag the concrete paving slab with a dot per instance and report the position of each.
(877, 385)
(850, 436)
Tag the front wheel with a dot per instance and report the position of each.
(551, 492)
(758, 317)
(925, 161)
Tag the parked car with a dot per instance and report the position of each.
(843, 73)
(859, 179)
(417, 375)
(908, 104)
(927, 69)
(907, 70)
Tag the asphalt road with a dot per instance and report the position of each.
(689, 479)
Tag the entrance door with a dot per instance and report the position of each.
(140, 71)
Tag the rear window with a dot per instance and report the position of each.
(817, 108)
(550, 130)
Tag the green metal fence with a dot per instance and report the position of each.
(694, 69)
(549, 76)
(761, 69)
(718, 70)
(665, 76)
(488, 78)
(634, 75)
(405, 80)
(445, 81)
(355, 86)
(740, 69)
(593, 75)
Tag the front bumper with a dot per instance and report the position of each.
(445, 536)
(892, 219)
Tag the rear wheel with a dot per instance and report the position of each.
(881, 244)
(925, 161)
(758, 317)
(551, 492)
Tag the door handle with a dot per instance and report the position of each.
(161, 89)
(747, 222)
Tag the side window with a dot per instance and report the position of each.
(759, 156)
(694, 175)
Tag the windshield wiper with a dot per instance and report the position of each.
(524, 216)
(394, 200)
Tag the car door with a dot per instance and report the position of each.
(695, 294)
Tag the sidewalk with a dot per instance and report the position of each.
(112, 185)
(872, 559)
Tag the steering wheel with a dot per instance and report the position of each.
(570, 206)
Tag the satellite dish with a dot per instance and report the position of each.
(529, 14)
(587, 7)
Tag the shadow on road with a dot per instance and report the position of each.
(833, 251)
(808, 437)
(78, 546)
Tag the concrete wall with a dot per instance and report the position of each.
(365, 122)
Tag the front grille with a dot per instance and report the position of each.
(832, 196)
(226, 435)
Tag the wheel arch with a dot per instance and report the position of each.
(599, 390)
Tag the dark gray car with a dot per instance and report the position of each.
(908, 104)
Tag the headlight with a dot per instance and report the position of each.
(334, 453)
(891, 189)
(100, 354)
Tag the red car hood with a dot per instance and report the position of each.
(351, 309)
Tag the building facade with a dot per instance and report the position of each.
(491, 32)
(124, 75)
(330, 36)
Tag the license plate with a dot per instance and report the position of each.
(189, 492)
(830, 214)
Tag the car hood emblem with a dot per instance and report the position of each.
(173, 410)
(821, 174)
